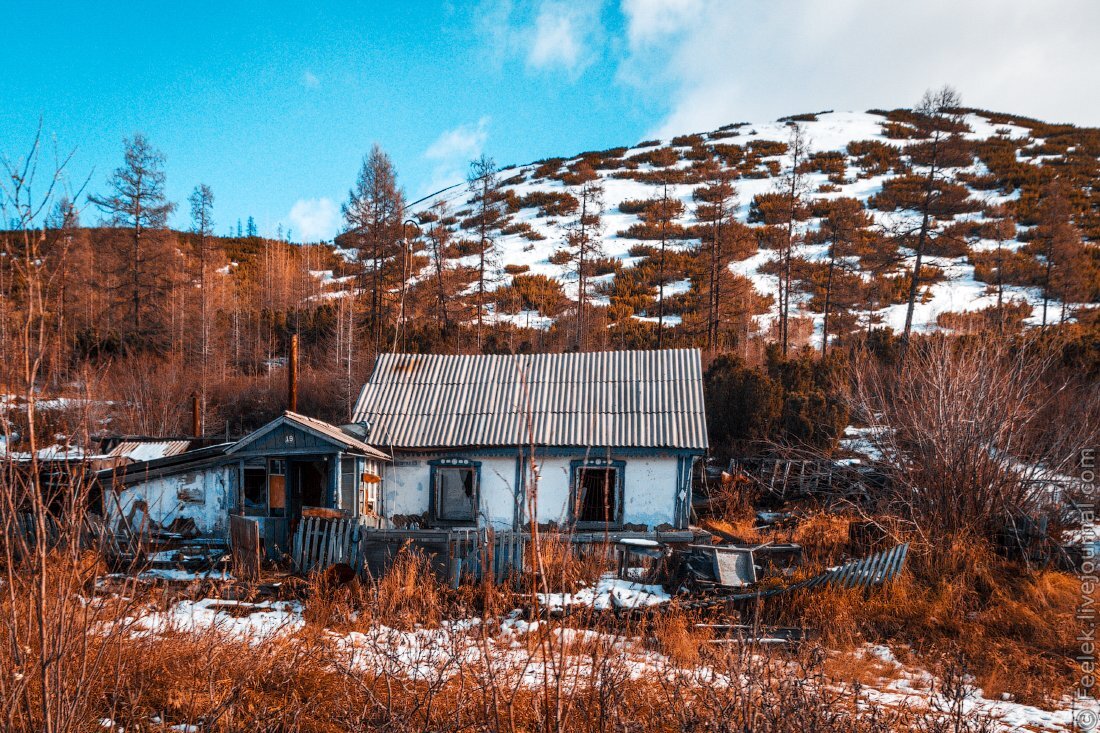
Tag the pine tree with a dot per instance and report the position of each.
(250, 228)
(439, 244)
(793, 188)
(845, 226)
(660, 215)
(202, 224)
(1004, 229)
(1058, 243)
(136, 202)
(939, 122)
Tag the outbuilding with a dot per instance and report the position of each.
(290, 466)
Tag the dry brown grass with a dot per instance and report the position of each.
(823, 536)
(586, 670)
(1013, 627)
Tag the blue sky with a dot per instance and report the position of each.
(274, 104)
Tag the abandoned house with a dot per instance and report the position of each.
(272, 474)
(612, 436)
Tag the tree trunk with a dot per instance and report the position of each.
(828, 299)
(661, 276)
(922, 238)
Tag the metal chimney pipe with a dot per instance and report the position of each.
(292, 375)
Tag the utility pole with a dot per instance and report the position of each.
(292, 375)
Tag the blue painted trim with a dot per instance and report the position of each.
(677, 488)
(334, 477)
(519, 489)
(683, 506)
(289, 453)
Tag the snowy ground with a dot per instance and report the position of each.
(513, 649)
(610, 593)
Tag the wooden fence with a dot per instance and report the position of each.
(788, 478)
(320, 543)
(24, 535)
(245, 547)
(455, 554)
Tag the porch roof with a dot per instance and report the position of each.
(320, 429)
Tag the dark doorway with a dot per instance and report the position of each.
(311, 478)
(597, 495)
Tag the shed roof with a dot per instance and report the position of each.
(137, 451)
(166, 465)
(646, 399)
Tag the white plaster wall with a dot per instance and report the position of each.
(553, 488)
(498, 491)
(407, 488)
(205, 496)
(649, 488)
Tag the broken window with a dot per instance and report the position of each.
(456, 493)
(596, 497)
(370, 484)
(255, 492)
(276, 487)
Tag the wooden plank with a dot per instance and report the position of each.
(315, 537)
(245, 547)
(296, 546)
(306, 523)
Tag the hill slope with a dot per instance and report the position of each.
(866, 156)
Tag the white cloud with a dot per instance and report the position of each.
(314, 219)
(550, 35)
(310, 80)
(452, 152)
(462, 141)
(562, 37)
(652, 20)
(721, 61)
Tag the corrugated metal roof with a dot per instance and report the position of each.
(645, 399)
(138, 451)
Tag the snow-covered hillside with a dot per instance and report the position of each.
(535, 236)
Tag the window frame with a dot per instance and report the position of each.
(434, 498)
(369, 493)
(260, 509)
(575, 469)
(277, 467)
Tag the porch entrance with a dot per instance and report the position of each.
(295, 464)
(309, 484)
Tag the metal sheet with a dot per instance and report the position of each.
(619, 399)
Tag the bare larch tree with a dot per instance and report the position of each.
(483, 182)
